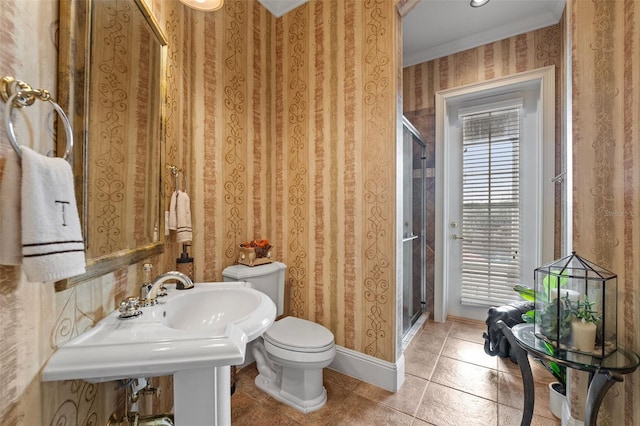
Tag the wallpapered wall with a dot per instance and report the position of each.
(523, 52)
(285, 130)
(606, 155)
(293, 140)
(335, 148)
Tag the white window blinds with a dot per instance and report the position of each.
(490, 255)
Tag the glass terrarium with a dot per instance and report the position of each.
(576, 304)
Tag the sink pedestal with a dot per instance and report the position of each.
(202, 396)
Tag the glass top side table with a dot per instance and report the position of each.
(604, 372)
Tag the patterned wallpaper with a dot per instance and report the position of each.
(123, 215)
(335, 185)
(281, 110)
(606, 192)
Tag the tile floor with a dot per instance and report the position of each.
(449, 380)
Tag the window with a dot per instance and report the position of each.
(490, 258)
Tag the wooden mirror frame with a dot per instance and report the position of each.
(73, 96)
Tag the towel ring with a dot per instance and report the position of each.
(25, 97)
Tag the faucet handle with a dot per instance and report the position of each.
(130, 308)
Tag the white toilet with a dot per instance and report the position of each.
(291, 354)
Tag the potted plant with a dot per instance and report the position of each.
(584, 325)
(557, 389)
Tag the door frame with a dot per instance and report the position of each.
(545, 217)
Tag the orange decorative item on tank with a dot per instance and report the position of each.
(255, 252)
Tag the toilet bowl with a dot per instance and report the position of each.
(292, 353)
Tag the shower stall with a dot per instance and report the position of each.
(414, 226)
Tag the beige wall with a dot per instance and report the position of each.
(606, 155)
(278, 112)
(285, 130)
(334, 168)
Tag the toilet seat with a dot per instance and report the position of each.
(299, 335)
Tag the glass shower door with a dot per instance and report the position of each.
(413, 238)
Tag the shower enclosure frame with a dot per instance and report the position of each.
(413, 240)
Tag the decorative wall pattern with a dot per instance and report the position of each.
(606, 151)
(175, 104)
(110, 87)
(123, 107)
(297, 161)
(336, 122)
(235, 108)
(379, 178)
(79, 408)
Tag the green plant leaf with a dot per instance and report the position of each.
(529, 316)
(526, 293)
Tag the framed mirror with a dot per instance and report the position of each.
(111, 82)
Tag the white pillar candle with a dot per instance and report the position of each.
(584, 335)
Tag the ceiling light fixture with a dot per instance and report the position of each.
(478, 3)
(204, 5)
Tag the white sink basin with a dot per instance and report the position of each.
(206, 326)
(212, 310)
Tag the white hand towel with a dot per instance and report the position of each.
(10, 179)
(173, 221)
(183, 213)
(52, 244)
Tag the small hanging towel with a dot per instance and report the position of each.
(173, 218)
(10, 238)
(183, 217)
(52, 244)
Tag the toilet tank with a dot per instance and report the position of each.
(267, 278)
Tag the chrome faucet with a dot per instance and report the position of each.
(184, 283)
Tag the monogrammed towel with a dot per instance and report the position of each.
(52, 243)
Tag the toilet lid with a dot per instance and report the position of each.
(299, 335)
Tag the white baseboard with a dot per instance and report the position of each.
(384, 374)
(375, 371)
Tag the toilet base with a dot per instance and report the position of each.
(273, 388)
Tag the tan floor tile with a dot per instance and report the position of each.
(340, 379)
(241, 404)
(427, 342)
(358, 410)
(444, 406)
(468, 330)
(335, 399)
(419, 422)
(263, 416)
(509, 416)
(441, 328)
(511, 393)
(540, 373)
(245, 383)
(471, 352)
(338, 386)
(419, 363)
(470, 378)
(407, 399)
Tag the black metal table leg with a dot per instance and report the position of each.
(602, 381)
(525, 371)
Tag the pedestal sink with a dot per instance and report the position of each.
(195, 335)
